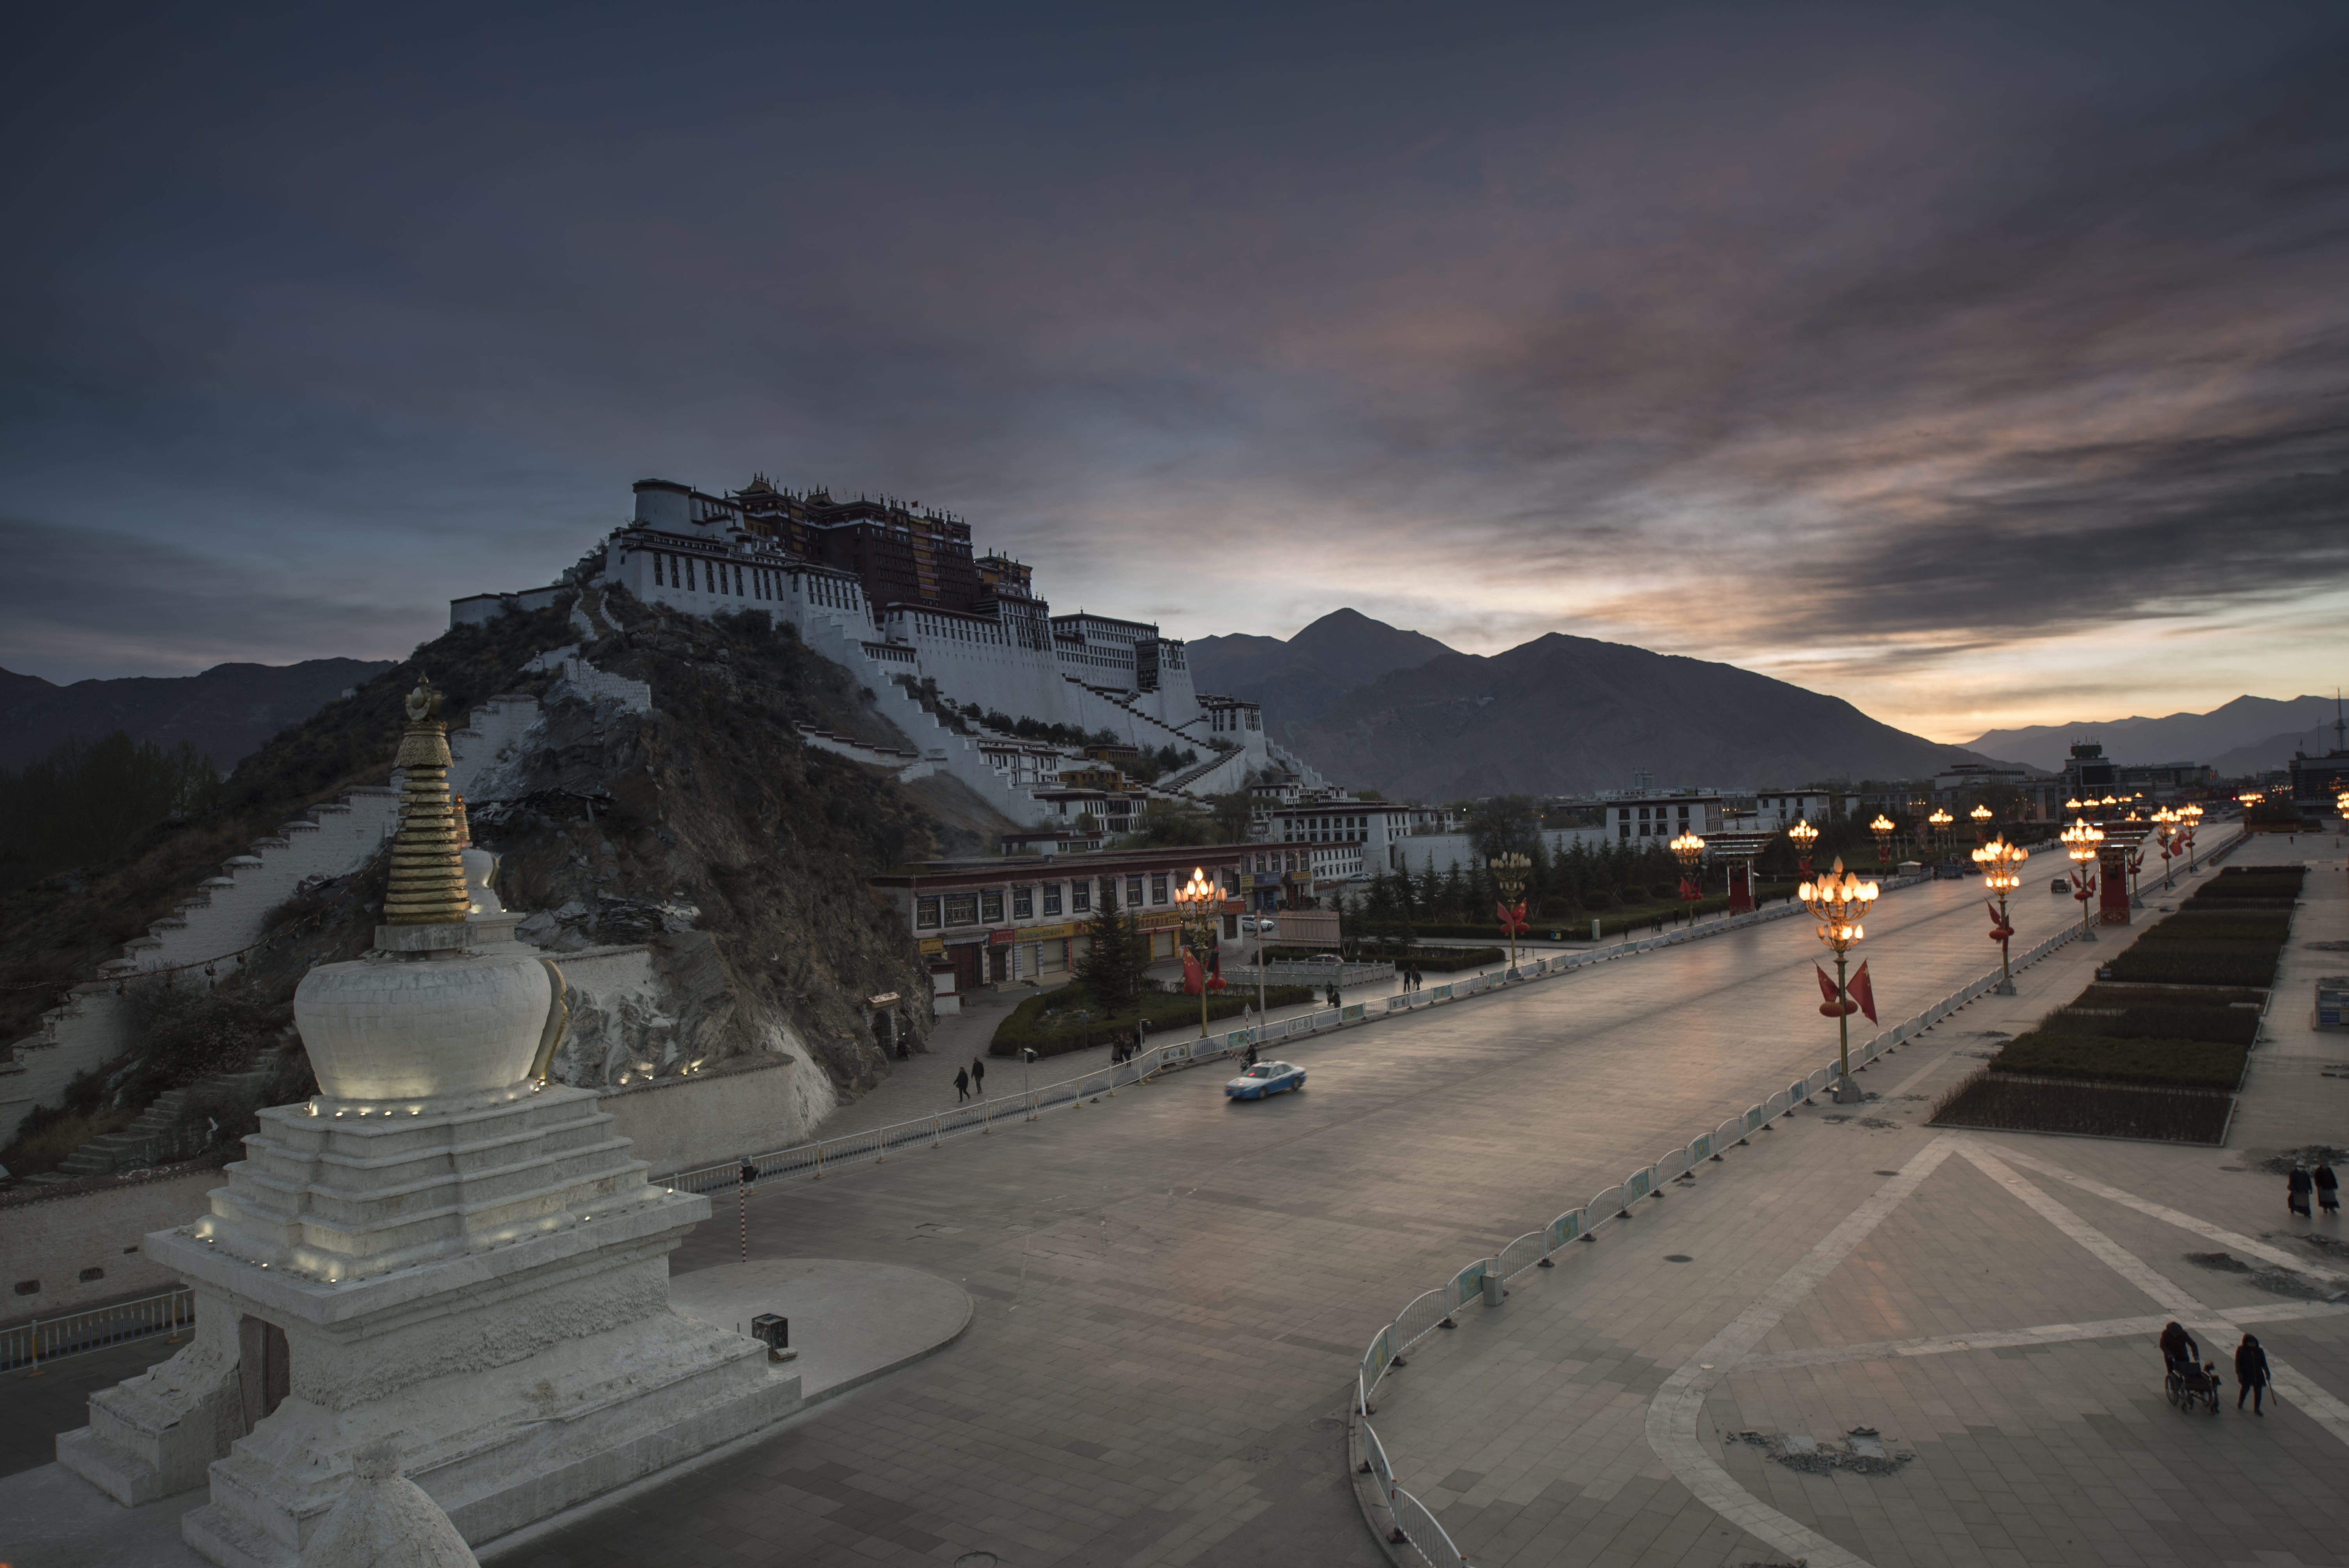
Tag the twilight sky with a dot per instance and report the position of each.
(1984, 364)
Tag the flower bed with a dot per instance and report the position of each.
(2105, 1059)
(2013, 1103)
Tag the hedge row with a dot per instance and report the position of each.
(2223, 1025)
(1051, 1022)
(2184, 963)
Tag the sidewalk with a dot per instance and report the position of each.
(1862, 1340)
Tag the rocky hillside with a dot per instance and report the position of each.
(704, 828)
(227, 713)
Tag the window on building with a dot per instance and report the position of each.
(1643, 813)
(1684, 813)
(656, 570)
(1081, 898)
(991, 906)
(1158, 888)
(925, 913)
(962, 909)
(1133, 892)
(1625, 814)
(1052, 898)
(1023, 904)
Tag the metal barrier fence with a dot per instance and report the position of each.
(1536, 1249)
(46, 1339)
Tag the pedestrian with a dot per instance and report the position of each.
(2328, 1187)
(962, 1084)
(2251, 1372)
(1249, 1061)
(2179, 1350)
(2296, 1188)
(978, 1077)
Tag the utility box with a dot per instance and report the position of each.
(1492, 1292)
(775, 1333)
(2329, 992)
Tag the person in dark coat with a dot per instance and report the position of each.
(962, 1084)
(978, 1077)
(2328, 1189)
(2251, 1372)
(2178, 1350)
(2296, 1188)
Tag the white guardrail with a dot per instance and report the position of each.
(875, 1146)
(46, 1338)
(1483, 1280)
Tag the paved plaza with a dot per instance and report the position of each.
(1172, 1293)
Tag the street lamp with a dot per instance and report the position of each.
(2193, 815)
(1195, 905)
(1839, 902)
(1981, 815)
(1689, 849)
(2080, 842)
(1941, 820)
(2166, 833)
(1805, 836)
(1883, 829)
(2002, 865)
(1510, 876)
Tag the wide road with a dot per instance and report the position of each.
(1173, 1289)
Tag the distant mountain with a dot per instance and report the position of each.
(1299, 678)
(228, 711)
(1569, 714)
(2248, 721)
(2275, 751)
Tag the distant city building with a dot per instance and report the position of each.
(1781, 809)
(1665, 816)
(1380, 828)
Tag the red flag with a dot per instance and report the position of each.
(1826, 987)
(1863, 993)
(1513, 919)
(1215, 970)
(1191, 977)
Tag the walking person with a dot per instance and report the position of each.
(2296, 1189)
(2328, 1187)
(2251, 1372)
(978, 1077)
(2178, 1350)
(962, 1084)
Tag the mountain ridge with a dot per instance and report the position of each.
(228, 712)
(2246, 722)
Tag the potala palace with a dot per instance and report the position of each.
(897, 594)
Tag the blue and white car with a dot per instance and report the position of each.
(1266, 1079)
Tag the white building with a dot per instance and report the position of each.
(1380, 827)
(1783, 809)
(895, 593)
(1631, 818)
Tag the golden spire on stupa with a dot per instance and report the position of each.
(428, 878)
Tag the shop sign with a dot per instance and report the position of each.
(934, 945)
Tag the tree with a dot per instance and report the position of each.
(1505, 824)
(1115, 956)
(1169, 824)
(1233, 814)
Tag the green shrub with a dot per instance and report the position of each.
(2176, 1063)
(1067, 1019)
(2184, 963)
(2195, 997)
(2221, 927)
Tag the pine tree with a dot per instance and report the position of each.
(1115, 956)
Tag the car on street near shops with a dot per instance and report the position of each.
(1266, 1079)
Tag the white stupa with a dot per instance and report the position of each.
(443, 1257)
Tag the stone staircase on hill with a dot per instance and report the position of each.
(229, 911)
(156, 1138)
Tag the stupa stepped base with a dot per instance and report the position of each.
(339, 1191)
(501, 1448)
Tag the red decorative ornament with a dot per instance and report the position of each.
(1512, 918)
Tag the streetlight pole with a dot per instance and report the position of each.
(1839, 902)
(1883, 828)
(1941, 820)
(1509, 877)
(2080, 842)
(2002, 865)
(2193, 815)
(1192, 902)
(1805, 836)
(1982, 820)
(1689, 849)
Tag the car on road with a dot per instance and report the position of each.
(1325, 958)
(2060, 885)
(1266, 1079)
